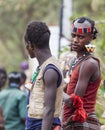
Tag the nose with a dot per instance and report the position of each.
(76, 39)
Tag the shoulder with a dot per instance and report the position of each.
(52, 67)
(90, 64)
(4, 92)
(92, 61)
(53, 70)
(20, 94)
(50, 71)
(52, 74)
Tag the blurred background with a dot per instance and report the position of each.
(58, 14)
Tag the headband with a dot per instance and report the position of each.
(84, 27)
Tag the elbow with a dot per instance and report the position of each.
(49, 112)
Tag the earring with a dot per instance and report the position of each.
(90, 47)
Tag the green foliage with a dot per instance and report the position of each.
(81, 6)
(14, 16)
(100, 107)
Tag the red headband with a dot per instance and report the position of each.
(81, 29)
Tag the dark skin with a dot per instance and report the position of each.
(2, 80)
(50, 82)
(89, 69)
(50, 96)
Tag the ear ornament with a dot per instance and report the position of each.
(90, 47)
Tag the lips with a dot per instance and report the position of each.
(76, 46)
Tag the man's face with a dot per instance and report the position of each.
(79, 40)
(2, 80)
(30, 50)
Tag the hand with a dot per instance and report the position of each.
(66, 99)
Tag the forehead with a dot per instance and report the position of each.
(81, 34)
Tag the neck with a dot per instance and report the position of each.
(43, 55)
(82, 53)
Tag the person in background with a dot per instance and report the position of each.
(3, 79)
(45, 88)
(25, 68)
(84, 79)
(23, 78)
(13, 102)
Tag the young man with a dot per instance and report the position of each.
(13, 102)
(23, 78)
(84, 79)
(45, 94)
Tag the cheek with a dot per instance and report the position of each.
(83, 42)
(32, 55)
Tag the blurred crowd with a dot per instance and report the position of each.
(12, 100)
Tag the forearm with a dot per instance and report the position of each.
(67, 100)
(65, 87)
(47, 120)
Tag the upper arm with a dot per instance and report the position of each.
(50, 82)
(86, 71)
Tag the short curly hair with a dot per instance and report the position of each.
(37, 33)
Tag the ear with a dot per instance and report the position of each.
(91, 37)
(31, 47)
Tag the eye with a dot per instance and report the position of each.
(77, 35)
(81, 37)
(73, 35)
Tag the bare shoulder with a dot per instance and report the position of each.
(92, 61)
(90, 68)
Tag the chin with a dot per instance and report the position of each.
(32, 56)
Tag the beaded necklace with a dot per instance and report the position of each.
(76, 61)
(35, 74)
